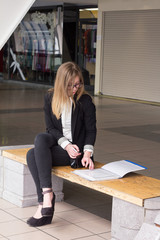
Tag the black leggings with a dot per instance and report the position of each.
(42, 157)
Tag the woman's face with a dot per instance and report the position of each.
(74, 86)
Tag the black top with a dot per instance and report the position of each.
(83, 121)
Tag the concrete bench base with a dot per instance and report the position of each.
(127, 218)
(16, 183)
(148, 232)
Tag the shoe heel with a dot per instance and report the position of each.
(34, 222)
(48, 220)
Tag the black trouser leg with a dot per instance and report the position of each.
(41, 159)
(34, 172)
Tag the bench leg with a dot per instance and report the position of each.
(148, 232)
(18, 185)
(57, 185)
(127, 218)
(2, 164)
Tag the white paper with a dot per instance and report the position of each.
(113, 170)
(96, 174)
(122, 167)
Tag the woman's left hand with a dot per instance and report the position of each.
(87, 161)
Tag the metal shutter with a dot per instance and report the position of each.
(131, 54)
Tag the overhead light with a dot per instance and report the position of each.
(89, 9)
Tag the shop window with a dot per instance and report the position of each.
(87, 44)
(36, 46)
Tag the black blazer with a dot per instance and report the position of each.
(83, 121)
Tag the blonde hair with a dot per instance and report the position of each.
(66, 73)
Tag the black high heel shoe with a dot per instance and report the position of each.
(49, 211)
(37, 222)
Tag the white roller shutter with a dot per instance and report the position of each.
(131, 54)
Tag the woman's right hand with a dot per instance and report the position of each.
(73, 150)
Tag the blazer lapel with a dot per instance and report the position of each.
(74, 119)
(59, 122)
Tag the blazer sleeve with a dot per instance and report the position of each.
(90, 122)
(53, 125)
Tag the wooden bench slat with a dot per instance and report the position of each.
(134, 188)
(18, 155)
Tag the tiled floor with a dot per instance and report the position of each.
(126, 130)
(69, 222)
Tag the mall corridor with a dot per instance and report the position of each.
(126, 130)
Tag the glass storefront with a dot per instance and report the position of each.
(87, 44)
(35, 47)
(46, 38)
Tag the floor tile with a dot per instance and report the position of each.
(2, 238)
(32, 235)
(95, 237)
(77, 216)
(63, 206)
(56, 222)
(60, 207)
(5, 204)
(106, 236)
(22, 212)
(96, 226)
(14, 227)
(5, 217)
(68, 232)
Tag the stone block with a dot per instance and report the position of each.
(152, 203)
(151, 215)
(16, 182)
(152, 209)
(148, 232)
(127, 219)
(2, 162)
(57, 186)
(157, 219)
(18, 186)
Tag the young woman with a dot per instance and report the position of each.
(70, 118)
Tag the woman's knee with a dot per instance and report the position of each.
(40, 140)
(44, 140)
